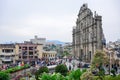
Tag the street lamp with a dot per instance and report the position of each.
(109, 62)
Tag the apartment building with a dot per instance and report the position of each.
(7, 53)
(28, 52)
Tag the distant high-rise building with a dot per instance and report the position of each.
(87, 34)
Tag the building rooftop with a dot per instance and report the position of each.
(7, 45)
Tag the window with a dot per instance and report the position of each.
(36, 57)
(13, 55)
(30, 48)
(3, 50)
(30, 53)
(7, 57)
(7, 50)
(2, 56)
(24, 57)
(19, 56)
(24, 52)
(19, 47)
(30, 56)
(24, 48)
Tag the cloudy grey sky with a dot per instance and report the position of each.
(20, 20)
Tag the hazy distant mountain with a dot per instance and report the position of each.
(56, 42)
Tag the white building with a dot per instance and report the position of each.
(7, 53)
(37, 40)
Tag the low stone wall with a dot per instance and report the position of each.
(19, 74)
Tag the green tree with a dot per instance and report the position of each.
(75, 75)
(99, 60)
(61, 69)
(4, 76)
(40, 71)
(87, 75)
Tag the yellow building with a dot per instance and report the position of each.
(28, 52)
(24, 52)
(49, 54)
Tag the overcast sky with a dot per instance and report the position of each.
(20, 20)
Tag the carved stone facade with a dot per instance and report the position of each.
(87, 34)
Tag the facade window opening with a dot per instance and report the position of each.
(30, 53)
(19, 47)
(30, 48)
(7, 50)
(24, 48)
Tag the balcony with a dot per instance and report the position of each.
(6, 59)
(7, 54)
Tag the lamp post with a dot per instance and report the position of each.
(109, 62)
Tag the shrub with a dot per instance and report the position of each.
(61, 69)
(45, 76)
(32, 78)
(75, 75)
(22, 79)
(84, 70)
(4, 76)
(43, 69)
(40, 71)
(108, 77)
(54, 76)
(87, 76)
(17, 68)
(29, 74)
(113, 72)
(18, 77)
(112, 77)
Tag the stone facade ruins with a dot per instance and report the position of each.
(87, 34)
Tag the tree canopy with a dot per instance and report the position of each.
(100, 58)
